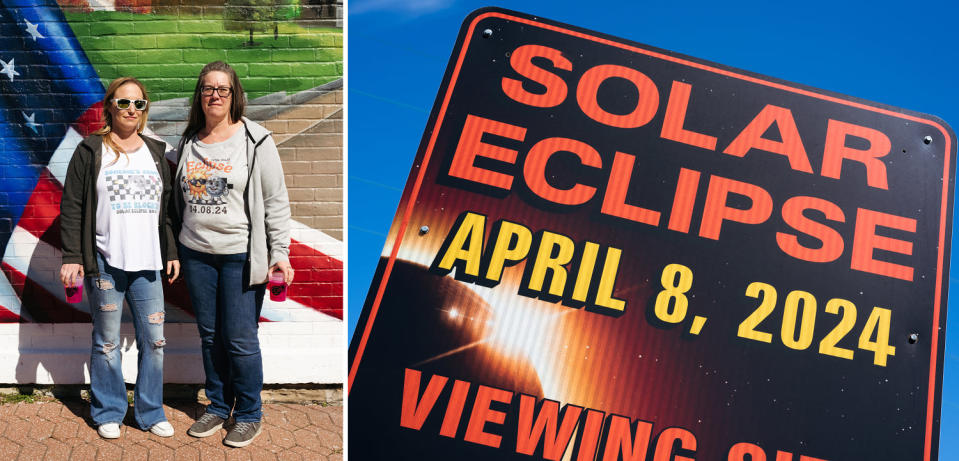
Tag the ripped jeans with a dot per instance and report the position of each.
(143, 291)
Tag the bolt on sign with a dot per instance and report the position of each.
(610, 251)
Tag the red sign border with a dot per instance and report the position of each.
(485, 13)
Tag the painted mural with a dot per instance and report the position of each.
(55, 60)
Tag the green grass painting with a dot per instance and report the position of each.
(166, 52)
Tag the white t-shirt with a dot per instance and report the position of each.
(128, 210)
(213, 183)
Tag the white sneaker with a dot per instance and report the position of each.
(162, 429)
(109, 430)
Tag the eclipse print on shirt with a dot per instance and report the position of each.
(133, 190)
(204, 188)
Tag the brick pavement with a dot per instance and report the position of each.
(55, 430)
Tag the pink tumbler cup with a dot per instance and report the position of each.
(74, 291)
(277, 287)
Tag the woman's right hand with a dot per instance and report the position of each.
(70, 272)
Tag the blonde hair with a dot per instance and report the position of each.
(107, 118)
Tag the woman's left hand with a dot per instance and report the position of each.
(287, 271)
(172, 270)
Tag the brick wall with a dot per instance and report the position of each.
(308, 130)
(57, 59)
(312, 154)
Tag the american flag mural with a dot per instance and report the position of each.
(49, 100)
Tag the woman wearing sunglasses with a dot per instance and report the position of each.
(117, 233)
(235, 217)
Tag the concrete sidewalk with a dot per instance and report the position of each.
(56, 430)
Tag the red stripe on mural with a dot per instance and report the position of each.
(42, 305)
(7, 316)
(178, 295)
(43, 209)
(15, 277)
(90, 121)
(319, 280)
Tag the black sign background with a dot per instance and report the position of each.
(720, 387)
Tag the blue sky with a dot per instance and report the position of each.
(899, 53)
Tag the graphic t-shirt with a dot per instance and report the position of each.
(128, 210)
(213, 182)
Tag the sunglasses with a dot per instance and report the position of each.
(124, 103)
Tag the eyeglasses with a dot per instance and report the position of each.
(124, 103)
(223, 91)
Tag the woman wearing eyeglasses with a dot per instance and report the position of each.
(116, 233)
(235, 217)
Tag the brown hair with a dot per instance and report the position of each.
(197, 119)
(107, 118)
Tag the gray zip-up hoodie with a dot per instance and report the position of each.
(266, 202)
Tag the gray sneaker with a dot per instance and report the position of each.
(207, 425)
(242, 434)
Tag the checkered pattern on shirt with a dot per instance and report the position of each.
(137, 187)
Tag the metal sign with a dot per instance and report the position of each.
(609, 251)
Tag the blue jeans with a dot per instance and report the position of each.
(227, 316)
(143, 291)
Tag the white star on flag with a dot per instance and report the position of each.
(32, 30)
(8, 69)
(30, 123)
